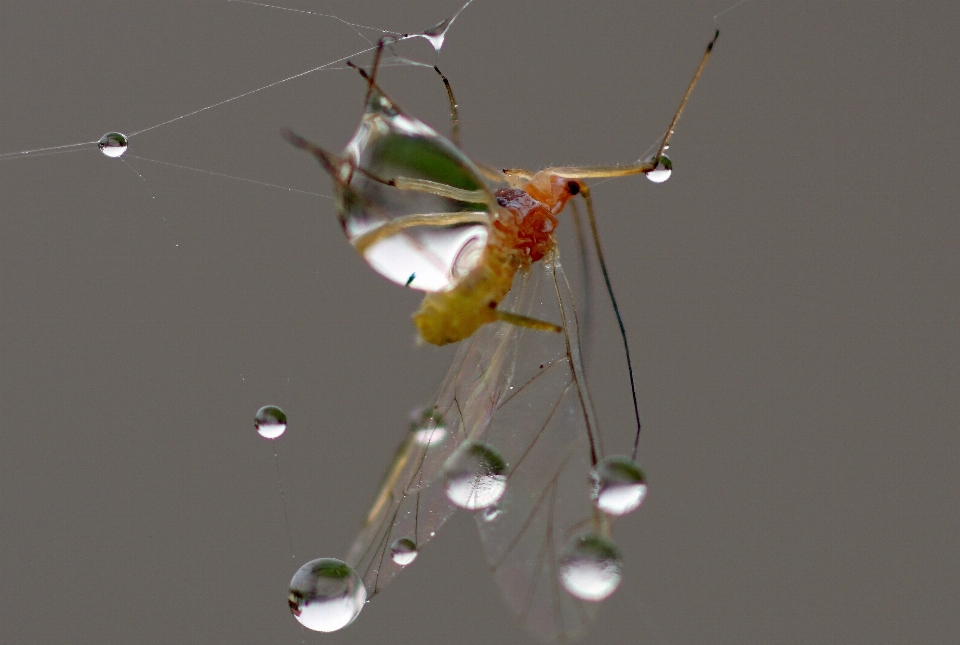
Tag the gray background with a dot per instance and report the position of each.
(791, 295)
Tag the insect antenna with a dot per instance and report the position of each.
(454, 115)
(591, 218)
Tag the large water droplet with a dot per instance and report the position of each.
(326, 595)
(424, 235)
(591, 567)
(270, 422)
(403, 551)
(475, 476)
(113, 144)
(618, 485)
(663, 171)
(427, 427)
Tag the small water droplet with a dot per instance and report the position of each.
(113, 144)
(618, 485)
(270, 422)
(326, 595)
(662, 172)
(403, 551)
(491, 513)
(591, 567)
(475, 476)
(427, 426)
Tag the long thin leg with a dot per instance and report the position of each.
(598, 172)
(585, 192)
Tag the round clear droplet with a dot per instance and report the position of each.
(270, 422)
(591, 567)
(618, 485)
(663, 170)
(476, 476)
(326, 595)
(113, 144)
(403, 551)
(427, 426)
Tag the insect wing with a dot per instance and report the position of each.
(522, 393)
(425, 234)
(544, 428)
(411, 502)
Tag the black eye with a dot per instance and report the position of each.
(573, 187)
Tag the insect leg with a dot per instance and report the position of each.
(597, 172)
(526, 321)
(591, 218)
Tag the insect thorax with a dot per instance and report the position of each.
(522, 233)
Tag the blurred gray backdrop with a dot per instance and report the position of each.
(791, 295)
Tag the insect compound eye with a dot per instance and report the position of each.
(573, 187)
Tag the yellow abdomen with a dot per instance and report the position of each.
(450, 316)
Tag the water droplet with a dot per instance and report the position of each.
(424, 236)
(427, 426)
(663, 171)
(326, 595)
(491, 513)
(475, 476)
(437, 33)
(403, 551)
(618, 485)
(270, 422)
(113, 144)
(591, 567)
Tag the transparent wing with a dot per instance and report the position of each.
(544, 428)
(521, 392)
(411, 502)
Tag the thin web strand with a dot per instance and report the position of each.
(353, 25)
(225, 176)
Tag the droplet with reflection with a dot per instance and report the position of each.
(475, 476)
(113, 144)
(427, 426)
(270, 422)
(591, 567)
(618, 485)
(663, 170)
(326, 595)
(403, 551)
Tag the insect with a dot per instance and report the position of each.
(511, 433)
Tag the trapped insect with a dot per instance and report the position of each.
(511, 433)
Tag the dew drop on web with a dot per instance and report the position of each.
(492, 512)
(475, 476)
(270, 422)
(427, 427)
(326, 595)
(113, 144)
(662, 172)
(618, 485)
(591, 567)
(403, 551)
